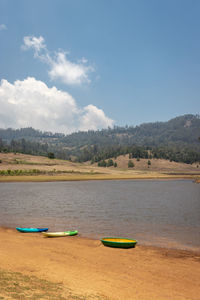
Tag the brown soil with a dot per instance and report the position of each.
(92, 271)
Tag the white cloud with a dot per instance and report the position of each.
(94, 118)
(3, 27)
(67, 71)
(31, 102)
(60, 67)
(35, 43)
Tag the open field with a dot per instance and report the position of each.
(34, 267)
(21, 167)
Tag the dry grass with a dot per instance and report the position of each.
(60, 170)
(15, 285)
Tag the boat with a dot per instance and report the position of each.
(118, 242)
(31, 229)
(60, 234)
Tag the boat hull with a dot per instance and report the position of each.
(60, 234)
(26, 230)
(119, 242)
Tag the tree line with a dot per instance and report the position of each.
(98, 154)
(176, 140)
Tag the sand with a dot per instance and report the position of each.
(92, 271)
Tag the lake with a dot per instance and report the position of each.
(160, 213)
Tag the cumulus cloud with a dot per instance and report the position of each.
(31, 103)
(3, 27)
(94, 118)
(60, 67)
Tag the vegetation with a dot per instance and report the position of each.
(15, 285)
(109, 163)
(51, 155)
(39, 172)
(176, 140)
(149, 163)
(130, 164)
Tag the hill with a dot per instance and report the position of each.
(176, 140)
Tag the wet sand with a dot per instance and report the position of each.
(94, 271)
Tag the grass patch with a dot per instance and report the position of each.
(25, 162)
(14, 285)
(21, 172)
(42, 172)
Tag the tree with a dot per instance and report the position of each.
(149, 163)
(131, 164)
(115, 165)
(110, 163)
(102, 163)
(51, 155)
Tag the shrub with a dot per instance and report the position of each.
(110, 163)
(102, 163)
(131, 164)
(51, 155)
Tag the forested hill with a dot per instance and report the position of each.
(177, 139)
(180, 131)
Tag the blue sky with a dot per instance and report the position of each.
(110, 62)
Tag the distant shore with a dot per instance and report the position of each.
(54, 178)
(28, 168)
(82, 268)
(83, 177)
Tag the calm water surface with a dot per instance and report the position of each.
(163, 213)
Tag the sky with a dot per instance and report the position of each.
(91, 64)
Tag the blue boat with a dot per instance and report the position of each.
(31, 229)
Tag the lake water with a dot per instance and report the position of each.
(162, 213)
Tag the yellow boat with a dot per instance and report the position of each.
(59, 234)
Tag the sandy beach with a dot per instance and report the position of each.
(78, 268)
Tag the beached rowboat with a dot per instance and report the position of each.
(31, 229)
(118, 242)
(60, 234)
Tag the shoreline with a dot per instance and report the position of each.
(91, 177)
(187, 252)
(86, 268)
(175, 246)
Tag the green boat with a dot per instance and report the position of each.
(118, 242)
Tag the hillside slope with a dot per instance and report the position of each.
(177, 140)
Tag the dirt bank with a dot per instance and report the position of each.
(89, 270)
